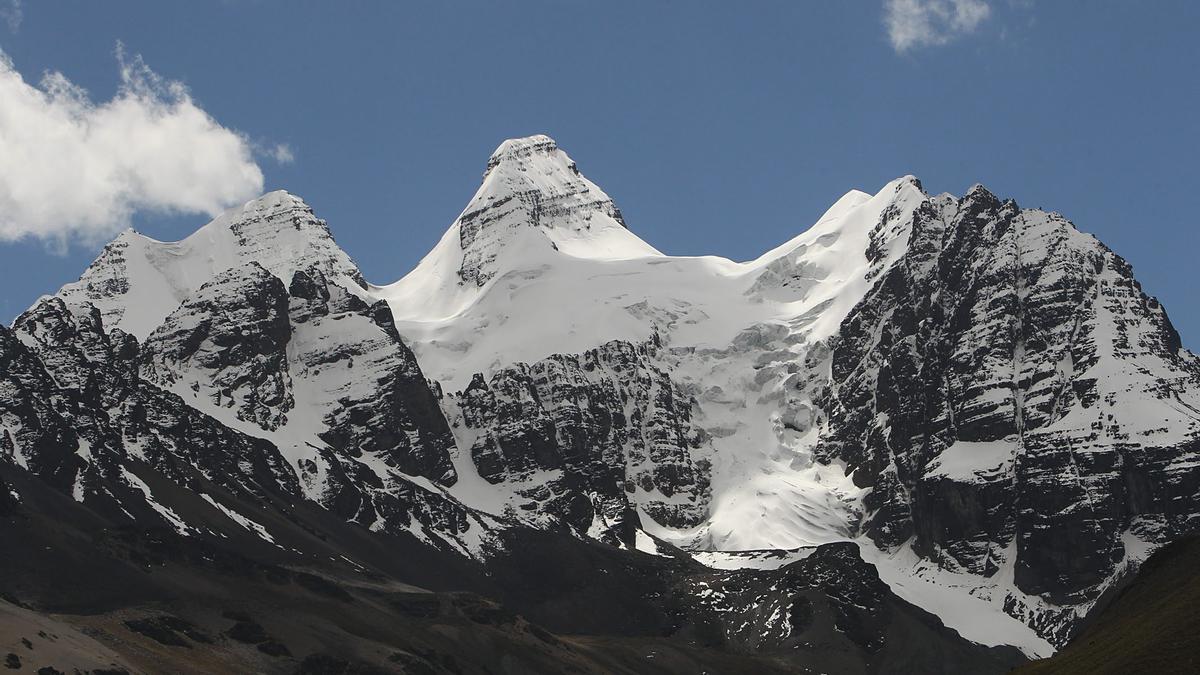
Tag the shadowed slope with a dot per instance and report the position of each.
(1152, 625)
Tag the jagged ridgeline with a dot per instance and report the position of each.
(928, 433)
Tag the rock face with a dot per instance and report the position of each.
(77, 413)
(1008, 381)
(244, 358)
(234, 355)
(137, 281)
(37, 430)
(104, 426)
(241, 355)
(1148, 623)
(534, 196)
(364, 381)
(594, 436)
(978, 396)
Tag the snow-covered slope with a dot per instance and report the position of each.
(137, 281)
(576, 264)
(731, 334)
(979, 396)
(534, 207)
(716, 319)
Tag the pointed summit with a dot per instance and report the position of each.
(137, 281)
(521, 151)
(533, 211)
(533, 194)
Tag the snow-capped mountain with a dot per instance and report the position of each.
(137, 281)
(973, 401)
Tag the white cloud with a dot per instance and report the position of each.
(282, 153)
(71, 168)
(923, 23)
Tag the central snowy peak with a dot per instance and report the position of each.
(540, 242)
(533, 209)
(532, 196)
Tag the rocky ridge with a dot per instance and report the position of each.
(1011, 397)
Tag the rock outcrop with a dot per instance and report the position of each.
(1007, 382)
(591, 439)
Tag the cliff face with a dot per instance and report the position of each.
(588, 440)
(1008, 381)
(78, 416)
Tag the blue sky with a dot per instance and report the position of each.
(721, 128)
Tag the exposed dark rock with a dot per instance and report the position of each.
(965, 393)
(514, 202)
(830, 597)
(81, 442)
(1146, 623)
(610, 420)
(278, 231)
(379, 402)
(233, 354)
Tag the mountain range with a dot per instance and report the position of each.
(930, 433)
